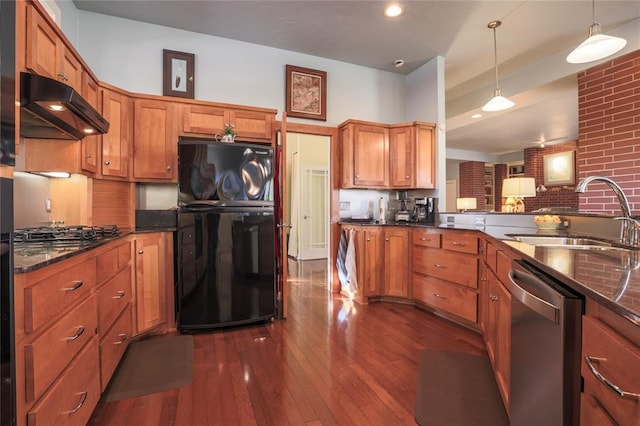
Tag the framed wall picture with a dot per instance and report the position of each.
(559, 169)
(179, 78)
(306, 93)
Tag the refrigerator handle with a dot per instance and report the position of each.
(541, 306)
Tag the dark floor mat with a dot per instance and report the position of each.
(152, 365)
(457, 389)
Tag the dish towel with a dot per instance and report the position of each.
(350, 263)
(342, 256)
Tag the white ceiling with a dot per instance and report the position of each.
(533, 41)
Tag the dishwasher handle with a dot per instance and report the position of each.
(541, 306)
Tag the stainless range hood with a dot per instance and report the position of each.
(51, 109)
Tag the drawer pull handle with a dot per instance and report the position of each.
(76, 285)
(119, 295)
(140, 251)
(437, 265)
(75, 336)
(456, 243)
(83, 398)
(425, 239)
(590, 361)
(123, 338)
(440, 296)
(493, 298)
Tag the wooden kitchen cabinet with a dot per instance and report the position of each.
(365, 155)
(412, 156)
(373, 240)
(56, 358)
(496, 309)
(153, 256)
(208, 120)
(114, 275)
(445, 271)
(47, 54)
(155, 141)
(89, 158)
(400, 156)
(396, 261)
(116, 143)
(610, 349)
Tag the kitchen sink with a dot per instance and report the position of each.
(563, 241)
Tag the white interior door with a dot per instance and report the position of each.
(313, 224)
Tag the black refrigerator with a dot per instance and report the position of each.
(225, 239)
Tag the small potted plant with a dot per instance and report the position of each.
(229, 135)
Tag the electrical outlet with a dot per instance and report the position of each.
(345, 205)
(47, 204)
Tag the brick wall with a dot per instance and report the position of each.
(472, 182)
(609, 132)
(500, 171)
(554, 196)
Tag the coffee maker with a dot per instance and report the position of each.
(425, 210)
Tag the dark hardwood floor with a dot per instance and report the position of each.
(331, 362)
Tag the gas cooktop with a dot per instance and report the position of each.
(64, 234)
(45, 243)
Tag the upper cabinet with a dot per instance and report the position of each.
(365, 155)
(155, 141)
(116, 144)
(255, 124)
(90, 144)
(399, 156)
(47, 54)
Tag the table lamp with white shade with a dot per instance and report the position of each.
(464, 204)
(515, 189)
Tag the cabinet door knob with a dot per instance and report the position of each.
(107, 162)
(140, 251)
(368, 239)
(357, 176)
(168, 168)
(386, 239)
(87, 156)
(406, 177)
(61, 76)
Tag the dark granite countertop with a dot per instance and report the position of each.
(28, 257)
(611, 278)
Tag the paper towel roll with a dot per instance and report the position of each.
(382, 211)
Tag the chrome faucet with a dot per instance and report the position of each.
(630, 229)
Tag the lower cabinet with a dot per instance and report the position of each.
(153, 277)
(372, 276)
(445, 271)
(610, 360)
(396, 262)
(72, 398)
(496, 310)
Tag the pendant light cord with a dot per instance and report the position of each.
(495, 56)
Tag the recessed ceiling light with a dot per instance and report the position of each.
(393, 10)
(398, 63)
(476, 116)
(56, 107)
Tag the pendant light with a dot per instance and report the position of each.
(498, 102)
(597, 45)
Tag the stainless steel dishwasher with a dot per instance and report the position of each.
(545, 349)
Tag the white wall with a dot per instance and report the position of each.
(128, 54)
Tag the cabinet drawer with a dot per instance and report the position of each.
(617, 360)
(462, 243)
(458, 268)
(426, 238)
(50, 353)
(447, 297)
(113, 345)
(73, 397)
(47, 298)
(113, 297)
(110, 262)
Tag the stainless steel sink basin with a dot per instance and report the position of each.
(559, 241)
